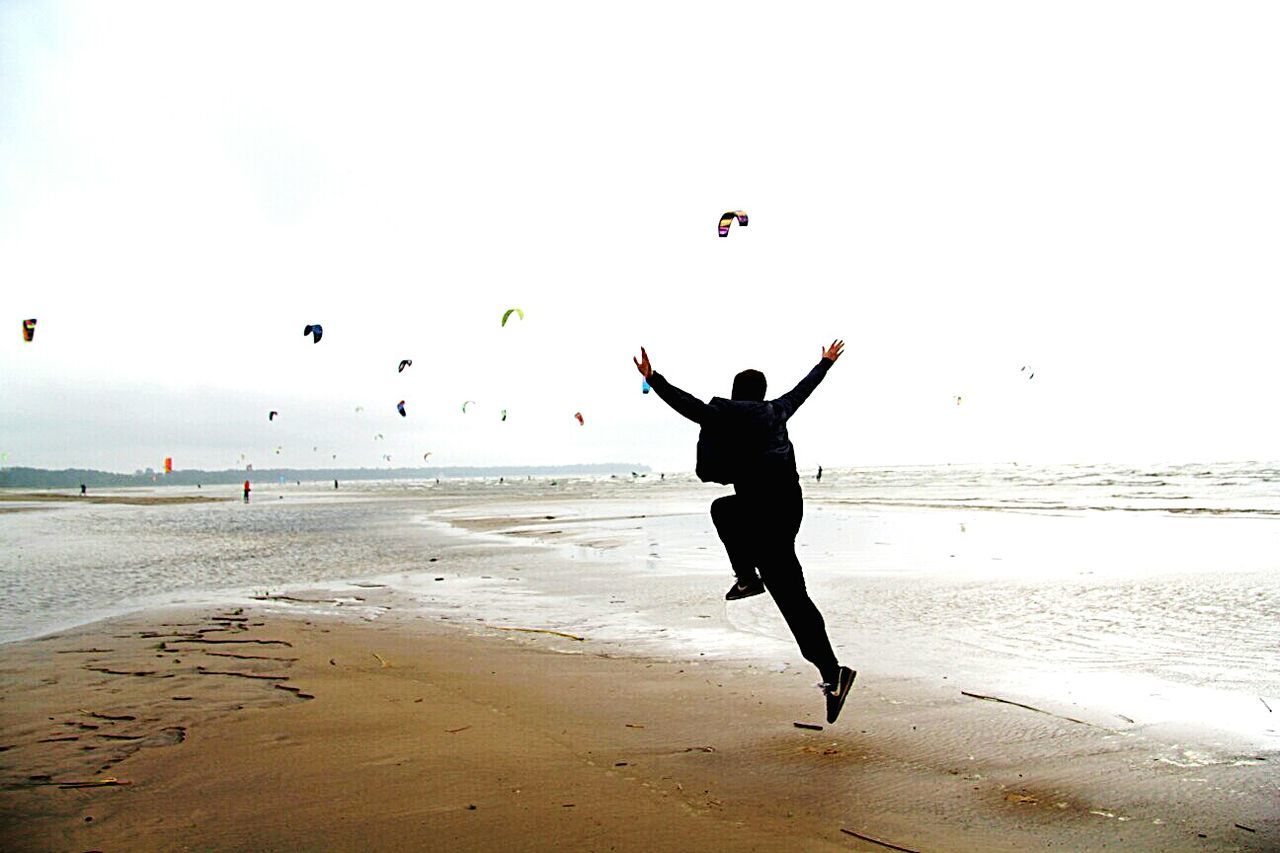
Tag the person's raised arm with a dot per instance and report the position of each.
(683, 402)
(791, 400)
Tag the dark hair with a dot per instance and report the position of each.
(749, 385)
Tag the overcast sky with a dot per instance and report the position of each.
(956, 189)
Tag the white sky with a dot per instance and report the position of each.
(956, 189)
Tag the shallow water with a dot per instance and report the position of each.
(1114, 592)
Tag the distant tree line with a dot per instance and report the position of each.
(71, 478)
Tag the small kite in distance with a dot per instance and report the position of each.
(425, 455)
(511, 311)
(314, 331)
(465, 404)
(1030, 375)
(400, 409)
(578, 415)
(404, 362)
(958, 399)
(359, 409)
(28, 330)
(386, 456)
(378, 436)
(504, 414)
(726, 219)
(271, 416)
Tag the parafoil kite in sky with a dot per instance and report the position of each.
(726, 219)
(400, 409)
(578, 415)
(314, 331)
(1030, 375)
(404, 362)
(278, 449)
(386, 456)
(359, 409)
(271, 416)
(466, 403)
(425, 455)
(504, 414)
(378, 436)
(511, 311)
(28, 330)
(168, 464)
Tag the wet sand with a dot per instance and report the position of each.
(128, 500)
(260, 728)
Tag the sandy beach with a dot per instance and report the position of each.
(231, 729)
(478, 668)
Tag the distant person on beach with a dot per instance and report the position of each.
(83, 488)
(335, 485)
(744, 441)
(246, 491)
(819, 477)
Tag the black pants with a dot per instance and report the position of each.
(758, 528)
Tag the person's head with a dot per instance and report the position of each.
(749, 385)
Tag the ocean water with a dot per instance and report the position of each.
(1119, 593)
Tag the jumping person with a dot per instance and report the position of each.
(744, 441)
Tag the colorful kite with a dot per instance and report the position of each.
(168, 464)
(578, 415)
(726, 219)
(511, 311)
(314, 331)
(28, 330)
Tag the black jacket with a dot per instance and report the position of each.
(753, 435)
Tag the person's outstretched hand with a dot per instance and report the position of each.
(832, 352)
(642, 364)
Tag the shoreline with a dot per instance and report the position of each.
(415, 721)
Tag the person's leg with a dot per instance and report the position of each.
(784, 579)
(726, 514)
(778, 521)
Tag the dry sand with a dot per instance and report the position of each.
(229, 729)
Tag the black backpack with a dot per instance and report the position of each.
(724, 446)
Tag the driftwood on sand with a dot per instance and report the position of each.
(1020, 705)
(543, 631)
(888, 844)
